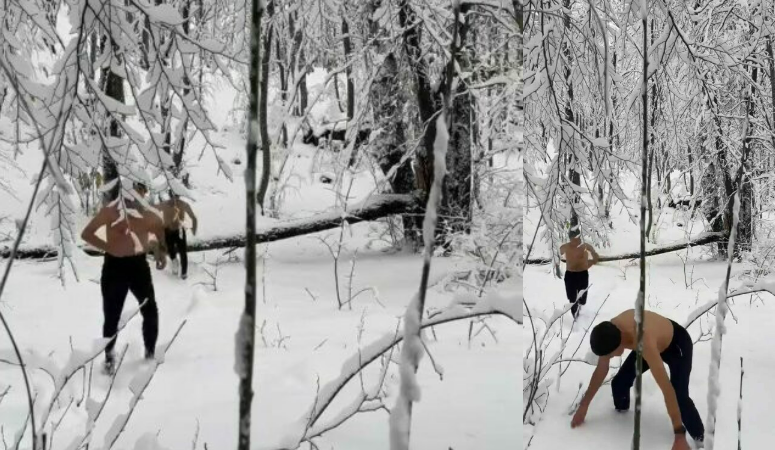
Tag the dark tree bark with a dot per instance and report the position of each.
(455, 213)
(387, 150)
(745, 229)
(348, 50)
(427, 102)
(114, 88)
(177, 157)
(283, 86)
(640, 303)
(266, 166)
(298, 36)
(245, 341)
(690, 155)
(573, 165)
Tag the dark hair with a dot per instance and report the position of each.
(140, 185)
(574, 232)
(605, 338)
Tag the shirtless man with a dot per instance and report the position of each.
(126, 268)
(577, 265)
(663, 341)
(175, 211)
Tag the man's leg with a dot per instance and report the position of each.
(171, 236)
(141, 285)
(114, 287)
(570, 291)
(583, 285)
(680, 371)
(183, 254)
(623, 381)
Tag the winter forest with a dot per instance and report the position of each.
(266, 224)
(649, 134)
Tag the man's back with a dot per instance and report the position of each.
(174, 213)
(576, 258)
(655, 326)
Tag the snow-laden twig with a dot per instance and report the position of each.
(411, 352)
(714, 382)
(30, 400)
(493, 304)
(137, 386)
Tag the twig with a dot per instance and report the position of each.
(33, 430)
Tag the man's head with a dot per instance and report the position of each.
(141, 188)
(574, 232)
(606, 340)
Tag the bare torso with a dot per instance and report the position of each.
(655, 327)
(129, 236)
(173, 214)
(576, 257)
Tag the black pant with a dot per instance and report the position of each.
(576, 282)
(678, 357)
(119, 276)
(176, 243)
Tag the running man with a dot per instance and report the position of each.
(664, 341)
(577, 265)
(126, 268)
(175, 210)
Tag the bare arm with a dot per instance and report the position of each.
(190, 212)
(595, 256)
(156, 228)
(598, 376)
(89, 233)
(654, 360)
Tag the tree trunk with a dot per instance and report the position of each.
(245, 339)
(573, 165)
(348, 71)
(114, 88)
(745, 229)
(455, 212)
(177, 157)
(691, 170)
(426, 102)
(266, 167)
(640, 302)
(283, 88)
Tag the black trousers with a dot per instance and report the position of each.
(678, 357)
(576, 282)
(176, 243)
(119, 276)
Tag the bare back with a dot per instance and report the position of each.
(174, 213)
(655, 327)
(576, 257)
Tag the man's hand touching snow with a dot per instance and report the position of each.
(579, 417)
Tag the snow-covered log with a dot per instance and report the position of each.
(376, 207)
(703, 239)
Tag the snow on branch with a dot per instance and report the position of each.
(306, 427)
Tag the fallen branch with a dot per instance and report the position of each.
(703, 239)
(374, 208)
(492, 305)
(762, 286)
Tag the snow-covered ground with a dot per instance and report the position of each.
(677, 283)
(473, 406)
